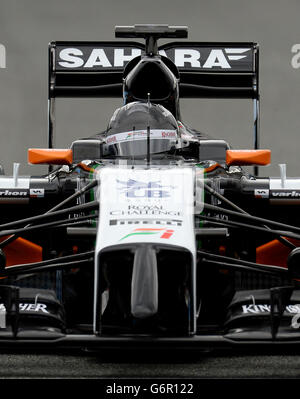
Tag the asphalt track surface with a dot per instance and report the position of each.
(211, 365)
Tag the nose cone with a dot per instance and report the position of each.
(144, 285)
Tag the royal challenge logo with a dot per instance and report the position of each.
(139, 189)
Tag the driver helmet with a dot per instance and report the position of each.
(128, 130)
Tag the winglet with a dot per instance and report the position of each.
(50, 156)
(22, 251)
(248, 157)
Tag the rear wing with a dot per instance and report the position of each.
(206, 70)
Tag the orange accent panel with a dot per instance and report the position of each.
(22, 251)
(211, 168)
(274, 252)
(222, 250)
(85, 167)
(50, 156)
(248, 157)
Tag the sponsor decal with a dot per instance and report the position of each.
(168, 134)
(138, 189)
(261, 193)
(13, 193)
(212, 58)
(111, 139)
(193, 57)
(165, 233)
(28, 307)
(218, 216)
(37, 192)
(145, 210)
(285, 194)
(88, 57)
(141, 135)
(122, 222)
(265, 308)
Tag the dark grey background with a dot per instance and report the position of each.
(26, 27)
